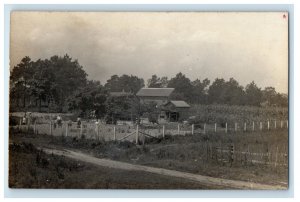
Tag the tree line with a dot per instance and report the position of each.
(61, 84)
(219, 91)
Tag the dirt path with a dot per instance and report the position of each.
(171, 173)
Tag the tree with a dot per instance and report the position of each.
(113, 84)
(182, 85)
(282, 100)
(153, 82)
(223, 92)
(217, 91)
(127, 83)
(235, 94)
(269, 95)
(122, 107)
(40, 83)
(51, 80)
(164, 82)
(91, 98)
(156, 82)
(69, 76)
(253, 94)
(20, 76)
(132, 83)
(200, 91)
(151, 110)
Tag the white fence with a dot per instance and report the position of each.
(126, 131)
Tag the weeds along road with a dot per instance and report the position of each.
(211, 181)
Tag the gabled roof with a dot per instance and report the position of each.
(179, 103)
(159, 92)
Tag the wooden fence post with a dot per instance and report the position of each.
(97, 130)
(143, 139)
(20, 123)
(192, 129)
(178, 129)
(163, 131)
(268, 125)
(281, 124)
(225, 127)
(275, 125)
(80, 129)
(137, 134)
(28, 124)
(253, 125)
(215, 127)
(231, 153)
(276, 156)
(204, 128)
(249, 155)
(260, 126)
(245, 126)
(67, 128)
(235, 127)
(115, 138)
(34, 127)
(50, 127)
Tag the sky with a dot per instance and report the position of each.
(248, 46)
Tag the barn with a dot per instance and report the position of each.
(157, 95)
(175, 110)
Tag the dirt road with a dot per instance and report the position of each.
(171, 173)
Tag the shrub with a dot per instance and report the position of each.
(13, 120)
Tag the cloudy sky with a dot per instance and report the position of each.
(245, 46)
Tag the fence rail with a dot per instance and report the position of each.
(268, 158)
(139, 133)
(121, 132)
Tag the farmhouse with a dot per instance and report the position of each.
(174, 110)
(158, 95)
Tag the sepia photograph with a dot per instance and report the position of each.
(149, 100)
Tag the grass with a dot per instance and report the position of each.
(199, 153)
(211, 114)
(190, 153)
(32, 168)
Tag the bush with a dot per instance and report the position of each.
(14, 121)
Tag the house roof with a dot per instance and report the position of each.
(179, 104)
(159, 92)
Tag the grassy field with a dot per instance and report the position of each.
(203, 154)
(254, 156)
(32, 168)
(231, 114)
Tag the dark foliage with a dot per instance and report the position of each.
(60, 84)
